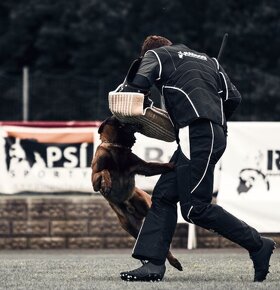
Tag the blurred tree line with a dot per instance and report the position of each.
(78, 50)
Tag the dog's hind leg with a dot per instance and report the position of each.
(128, 221)
(142, 202)
(132, 212)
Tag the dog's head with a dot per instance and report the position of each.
(113, 131)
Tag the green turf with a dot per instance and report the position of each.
(90, 269)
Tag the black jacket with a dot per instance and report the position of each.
(193, 85)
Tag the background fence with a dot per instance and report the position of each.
(72, 97)
(55, 98)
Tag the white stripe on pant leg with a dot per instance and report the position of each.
(189, 212)
(207, 160)
(184, 136)
(138, 236)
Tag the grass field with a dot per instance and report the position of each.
(93, 269)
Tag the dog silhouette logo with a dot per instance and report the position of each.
(250, 178)
(21, 156)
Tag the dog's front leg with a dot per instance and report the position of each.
(96, 181)
(106, 182)
(151, 168)
(102, 182)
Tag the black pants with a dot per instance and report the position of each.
(201, 146)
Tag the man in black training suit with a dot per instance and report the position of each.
(200, 99)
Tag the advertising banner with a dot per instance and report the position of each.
(151, 150)
(250, 176)
(46, 160)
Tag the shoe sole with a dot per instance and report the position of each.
(273, 247)
(148, 278)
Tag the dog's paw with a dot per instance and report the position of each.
(171, 165)
(96, 187)
(105, 191)
(105, 188)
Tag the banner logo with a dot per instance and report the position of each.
(24, 156)
(250, 177)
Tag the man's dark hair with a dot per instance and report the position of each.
(154, 41)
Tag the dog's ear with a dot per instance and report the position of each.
(100, 129)
(112, 120)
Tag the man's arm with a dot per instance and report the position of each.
(230, 95)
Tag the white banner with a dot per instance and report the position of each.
(151, 150)
(46, 159)
(250, 179)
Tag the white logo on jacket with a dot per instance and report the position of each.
(191, 54)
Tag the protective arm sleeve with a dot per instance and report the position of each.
(148, 71)
(230, 95)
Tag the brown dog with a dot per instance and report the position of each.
(114, 167)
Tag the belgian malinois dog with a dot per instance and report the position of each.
(114, 167)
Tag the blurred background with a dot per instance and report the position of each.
(75, 51)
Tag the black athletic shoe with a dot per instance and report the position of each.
(261, 259)
(148, 272)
